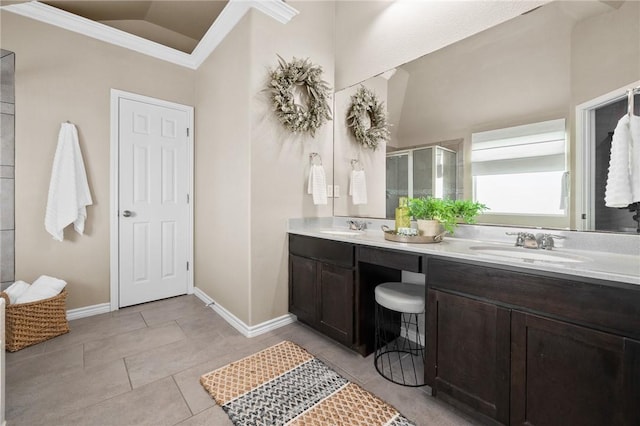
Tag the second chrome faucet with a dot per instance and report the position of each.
(537, 241)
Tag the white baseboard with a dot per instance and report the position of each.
(88, 311)
(235, 322)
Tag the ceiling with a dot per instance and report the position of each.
(176, 24)
(179, 24)
(182, 32)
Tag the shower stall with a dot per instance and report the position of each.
(420, 172)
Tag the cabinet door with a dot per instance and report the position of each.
(302, 288)
(563, 374)
(335, 297)
(468, 353)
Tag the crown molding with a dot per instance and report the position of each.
(230, 16)
(276, 9)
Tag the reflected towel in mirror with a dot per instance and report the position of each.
(623, 180)
(358, 187)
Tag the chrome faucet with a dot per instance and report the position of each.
(357, 225)
(538, 241)
(524, 239)
(546, 241)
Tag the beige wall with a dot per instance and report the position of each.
(280, 160)
(374, 36)
(223, 172)
(605, 53)
(512, 74)
(62, 76)
(251, 174)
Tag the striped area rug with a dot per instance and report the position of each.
(285, 385)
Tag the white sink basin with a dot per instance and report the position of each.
(341, 232)
(529, 254)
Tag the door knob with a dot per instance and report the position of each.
(126, 213)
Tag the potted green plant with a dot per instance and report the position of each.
(467, 210)
(434, 214)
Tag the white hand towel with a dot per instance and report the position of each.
(564, 191)
(68, 189)
(358, 187)
(317, 185)
(15, 290)
(42, 288)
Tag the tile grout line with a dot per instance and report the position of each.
(183, 399)
(126, 368)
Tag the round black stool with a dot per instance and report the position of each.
(399, 350)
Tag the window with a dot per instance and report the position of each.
(521, 170)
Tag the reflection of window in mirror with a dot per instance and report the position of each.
(521, 170)
(420, 172)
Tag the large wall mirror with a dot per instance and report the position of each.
(527, 73)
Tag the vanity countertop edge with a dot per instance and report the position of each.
(612, 267)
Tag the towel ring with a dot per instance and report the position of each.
(315, 156)
(355, 164)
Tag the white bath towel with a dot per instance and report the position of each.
(42, 288)
(358, 187)
(68, 189)
(623, 180)
(15, 290)
(634, 126)
(317, 185)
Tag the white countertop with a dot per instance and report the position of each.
(594, 264)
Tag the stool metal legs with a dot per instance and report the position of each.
(398, 358)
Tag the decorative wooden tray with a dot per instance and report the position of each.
(391, 235)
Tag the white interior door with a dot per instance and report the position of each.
(153, 209)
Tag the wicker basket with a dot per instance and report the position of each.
(30, 323)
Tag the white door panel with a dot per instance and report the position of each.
(153, 206)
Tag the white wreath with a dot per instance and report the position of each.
(365, 104)
(300, 73)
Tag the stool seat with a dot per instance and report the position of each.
(401, 297)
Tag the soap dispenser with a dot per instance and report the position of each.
(403, 219)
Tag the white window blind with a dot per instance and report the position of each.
(537, 147)
(521, 170)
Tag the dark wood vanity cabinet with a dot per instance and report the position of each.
(511, 345)
(533, 349)
(564, 374)
(468, 353)
(321, 285)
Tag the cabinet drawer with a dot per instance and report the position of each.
(390, 258)
(335, 252)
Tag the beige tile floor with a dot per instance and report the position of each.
(141, 366)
